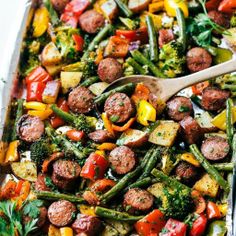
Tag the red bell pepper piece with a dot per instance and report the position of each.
(212, 4)
(199, 226)
(75, 135)
(73, 10)
(174, 228)
(56, 121)
(38, 75)
(151, 224)
(213, 212)
(79, 42)
(19, 187)
(134, 35)
(227, 6)
(35, 91)
(94, 167)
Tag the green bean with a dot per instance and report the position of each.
(98, 38)
(182, 27)
(136, 66)
(124, 181)
(139, 57)
(169, 181)
(52, 13)
(115, 215)
(152, 39)
(140, 183)
(126, 88)
(57, 196)
(150, 164)
(124, 8)
(231, 87)
(224, 166)
(19, 113)
(209, 168)
(194, 98)
(229, 120)
(67, 117)
(89, 81)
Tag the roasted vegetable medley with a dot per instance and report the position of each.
(84, 161)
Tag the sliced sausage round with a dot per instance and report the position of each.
(191, 130)
(63, 184)
(42, 217)
(215, 148)
(198, 59)
(119, 107)
(66, 169)
(30, 128)
(165, 36)
(179, 107)
(122, 159)
(219, 18)
(214, 99)
(186, 172)
(59, 5)
(87, 225)
(137, 199)
(100, 136)
(109, 70)
(61, 213)
(91, 21)
(80, 100)
(40, 184)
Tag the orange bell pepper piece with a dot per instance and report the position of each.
(213, 212)
(199, 202)
(55, 156)
(126, 126)
(141, 92)
(106, 146)
(8, 191)
(107, 124)
(198, 88)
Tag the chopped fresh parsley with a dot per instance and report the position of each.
(183, 109)
(31, 208)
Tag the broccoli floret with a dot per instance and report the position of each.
(172, 59)
(176, 203)
(39, 151)
(233, 20)
(85, 123)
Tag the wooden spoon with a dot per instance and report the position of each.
(166, 88)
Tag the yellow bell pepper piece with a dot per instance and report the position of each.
(66, 231)
(40, 22)
(171, 5)
(223, 209)
(100, 152)
(106, 146)
(155, 7)
(220, 120)
(12, 152)
(145, 112)
(39, 106)
(190, 158)
(87, 210)
(157, 20)
(3, 150)
(43, 115)
(53, 231)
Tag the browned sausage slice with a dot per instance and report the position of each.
(63, 184)
(80, 100)
(40, 184)
(87, 225)
(122, 159)
(219, 18)
(119, 107)
(215, 148)
(165, 36)
(214, 99)
(59, 5)
(186, 172)
(179, 107)
(30, 128)
(91, 21)
(191, 130)
(109, 70)
(61, 213)
(100, 136)
(66, 169)
(198, 59)
(137, 199)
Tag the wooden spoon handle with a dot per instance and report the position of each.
(214, 71)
